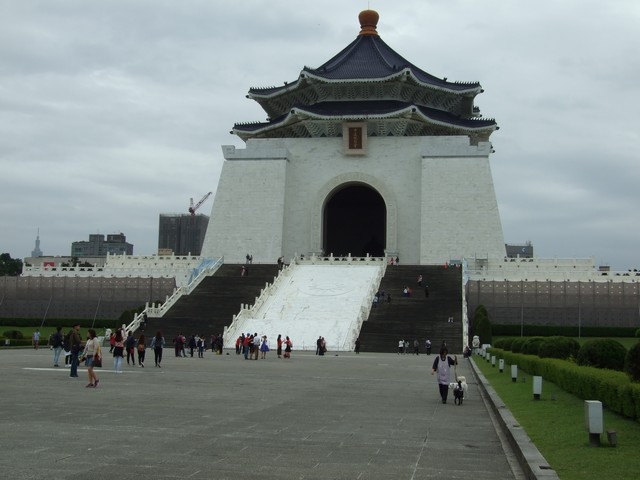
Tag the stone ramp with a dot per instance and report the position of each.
(310, 301)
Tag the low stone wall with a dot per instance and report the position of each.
(565, 303)
(78, 297)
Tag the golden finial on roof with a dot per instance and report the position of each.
(368, 22)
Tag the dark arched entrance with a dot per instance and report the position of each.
(355, 221)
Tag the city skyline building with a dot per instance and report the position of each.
(97, 246)
(36, 252)
(182, 234)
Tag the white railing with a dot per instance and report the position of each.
(206, 268)
(553, 269)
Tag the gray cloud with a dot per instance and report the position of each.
(113, 112)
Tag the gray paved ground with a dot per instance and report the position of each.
(367, 416)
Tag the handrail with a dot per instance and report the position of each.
(207, 267)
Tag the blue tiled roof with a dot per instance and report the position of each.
(369, 57)
(368, 109)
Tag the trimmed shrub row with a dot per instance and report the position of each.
(610, 387)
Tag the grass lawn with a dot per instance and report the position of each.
(557, 427)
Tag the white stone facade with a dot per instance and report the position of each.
(438, 193)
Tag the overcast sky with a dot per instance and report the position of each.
(114, 111)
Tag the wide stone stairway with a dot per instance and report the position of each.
(212, 305)
(416, 317)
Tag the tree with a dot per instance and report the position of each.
(10, 266)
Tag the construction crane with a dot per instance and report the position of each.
(193, 208)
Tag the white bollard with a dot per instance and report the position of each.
(537, 387)
(593, 421)
(493, 360)
(501, 365)
(514, 373)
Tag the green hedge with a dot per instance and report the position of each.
(565, 331)
(612, 388)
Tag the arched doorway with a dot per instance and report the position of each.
(355, 222)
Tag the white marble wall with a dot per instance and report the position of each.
(438, 192)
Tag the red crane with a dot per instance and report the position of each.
(193, 208)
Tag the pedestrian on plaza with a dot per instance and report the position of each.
(358, 346)
(323, 346)
(416, 347)
(157, 343)
(112, 341)
(130, 345)
(427, 346)
(75, 344)
(192, 344)
(142, 349)
(400, 347)
(279, 346)
(200, 346)
(57, 342)
(91, 355)
(264, 347)
(288, 346)
(35, 339)
(256, 346)
(442, 365)
(118, 351)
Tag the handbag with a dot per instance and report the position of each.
(97, 360)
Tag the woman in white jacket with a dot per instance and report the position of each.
(91, 352)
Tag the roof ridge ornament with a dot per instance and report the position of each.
(368, 22)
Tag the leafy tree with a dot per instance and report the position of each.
(632, 362)
(482, 325)
(10, 266)
(602, 353)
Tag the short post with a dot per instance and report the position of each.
(493, 360)
(514, 373)
(537, 387)
(593, 421)
(501, 365)
(487, 357)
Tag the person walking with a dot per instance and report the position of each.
(158, 344)
(264, 348)
(75, 343)
(118, 351)
(35, 339)
(56, 343)
(288, 345)
(442, 365)
(142, 349)
(358, 346)
(130, 345)
(112, 341)
(92, 354)
(279, 345)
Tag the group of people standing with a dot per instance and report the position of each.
(252, 346)
(403, 347)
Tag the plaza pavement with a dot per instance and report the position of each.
(344, 416)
